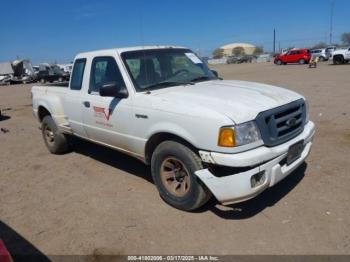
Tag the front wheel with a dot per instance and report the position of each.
(173, 166)
(302, 61)
(338, 60)
(55, 141)
(279, 62)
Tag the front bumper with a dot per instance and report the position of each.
(267, 162)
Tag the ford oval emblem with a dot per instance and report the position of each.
(291, 122)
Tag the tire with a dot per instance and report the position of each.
(173, 166)
(338, 60)
(302, 61)
(60, 79)
(42, 80)
(55, 141)
(279, 62)
(322, 59)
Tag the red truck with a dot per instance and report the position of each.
(300, 56)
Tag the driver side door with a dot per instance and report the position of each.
(107, 120)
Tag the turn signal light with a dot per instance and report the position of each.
(227, 137)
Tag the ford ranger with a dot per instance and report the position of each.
(201, 135)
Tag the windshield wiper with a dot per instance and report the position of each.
(201, 78)
(166, 84)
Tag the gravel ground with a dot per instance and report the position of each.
(98, 201)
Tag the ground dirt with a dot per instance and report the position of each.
(98, 201)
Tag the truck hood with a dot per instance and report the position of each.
(241, 101)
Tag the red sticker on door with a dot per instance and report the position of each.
(101, 112)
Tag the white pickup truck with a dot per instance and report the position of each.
(341, 56)
(202, 135)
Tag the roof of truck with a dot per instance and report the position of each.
(126, 49)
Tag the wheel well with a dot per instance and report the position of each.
(338, 56)
(42, 112)
(158, 138)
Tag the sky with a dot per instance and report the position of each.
(55, 31)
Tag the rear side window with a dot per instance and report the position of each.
(104, 70)
(77, 74)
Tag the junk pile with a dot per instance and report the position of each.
(6, 73)
(18, 71)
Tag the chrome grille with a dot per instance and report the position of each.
(282, 123)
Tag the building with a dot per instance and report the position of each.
(248, 48)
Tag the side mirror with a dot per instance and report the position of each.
(215, 73)
(112, 89)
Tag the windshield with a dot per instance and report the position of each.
(160, 68)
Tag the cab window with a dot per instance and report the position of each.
(77, 74)
(104, 70)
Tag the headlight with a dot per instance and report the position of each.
(239, 135)
(307, 117)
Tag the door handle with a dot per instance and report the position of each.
(86, 104)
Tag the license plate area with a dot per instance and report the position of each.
(294, 152)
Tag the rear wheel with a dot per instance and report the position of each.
(338, 60)
(42, 80)
(279, 62)
(55, 141)
(322, 59)
(60, 79)
(173, 166)
(302, 61)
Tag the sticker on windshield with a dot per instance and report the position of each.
(194, 58)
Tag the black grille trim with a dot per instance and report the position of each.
(273, 123)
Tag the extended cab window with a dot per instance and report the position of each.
(104, 70)
(77, 74)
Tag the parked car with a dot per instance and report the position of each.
(341, 56)
(232, 60)
(320, 53)
(201, 135)
(51, 73)
(241, 59)
(66, 68)
(300, 56)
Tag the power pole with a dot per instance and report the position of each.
(331, 24)
(274, 41)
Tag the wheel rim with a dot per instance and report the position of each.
(49, 135)
(175, 177)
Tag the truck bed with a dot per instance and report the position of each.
(62, 84)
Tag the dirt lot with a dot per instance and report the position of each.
(97, 201)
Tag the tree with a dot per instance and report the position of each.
(345, 38)
(218, 53)
(238, 51)
(320, 45)
(258, 50)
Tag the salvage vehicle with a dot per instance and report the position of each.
(51, 73)
(6, 73)
(301, 56)
(201, 135)
(23, 72)
(320, 53)
(341, 56)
